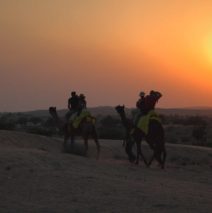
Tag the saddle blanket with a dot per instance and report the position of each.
(76, 119)
(143, 122)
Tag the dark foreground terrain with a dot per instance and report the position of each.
(36, 177)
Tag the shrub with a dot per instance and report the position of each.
(199, 133)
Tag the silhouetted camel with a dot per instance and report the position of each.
(155, 139)
(86, 129)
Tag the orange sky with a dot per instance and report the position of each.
(108, 50)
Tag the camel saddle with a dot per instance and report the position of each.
(76, 119)
(143, 122)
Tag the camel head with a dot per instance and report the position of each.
(57, 119)
(120, 109)
(53, 111)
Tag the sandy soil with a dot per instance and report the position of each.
(36, 177)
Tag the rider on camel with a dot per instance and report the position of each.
(149, 113)
(140, 105)
(82, 103)
(73, 104)
(151, 100)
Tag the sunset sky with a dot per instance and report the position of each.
(109, 50)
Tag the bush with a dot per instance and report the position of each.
(199, 133)
(6, 122)
(110, 128)
(111, 133)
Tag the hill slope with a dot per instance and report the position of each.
(36, 177)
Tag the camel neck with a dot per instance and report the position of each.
(124, 119)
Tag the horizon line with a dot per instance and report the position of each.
(110, 106)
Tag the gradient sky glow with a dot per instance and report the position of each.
(108, 50)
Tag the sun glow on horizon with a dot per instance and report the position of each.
(104, 46)
(208, 49)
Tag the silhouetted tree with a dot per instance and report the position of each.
(35, 120)
(110, 128)
(6, 122)
(22, 120)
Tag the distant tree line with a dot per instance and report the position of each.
(198, 127)
(194, 130)
(27, 123)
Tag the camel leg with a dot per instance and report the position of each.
(160, 154)
(138, 144)
(139, 153)
(158, 157)
(128, 149)
(98, 147)
(164, 158)
(154, 152)
(97, 144)
(152, 158)
(86, 145)
(144, 159)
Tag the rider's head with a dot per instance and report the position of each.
(73, 93)
(158, 95)
(155, 94)
(82, 96)
(152, 92)
(142, 94)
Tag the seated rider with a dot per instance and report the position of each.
(82, 103)
(82, 113)
(140, 105)
(151, 100)
(73, 104)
